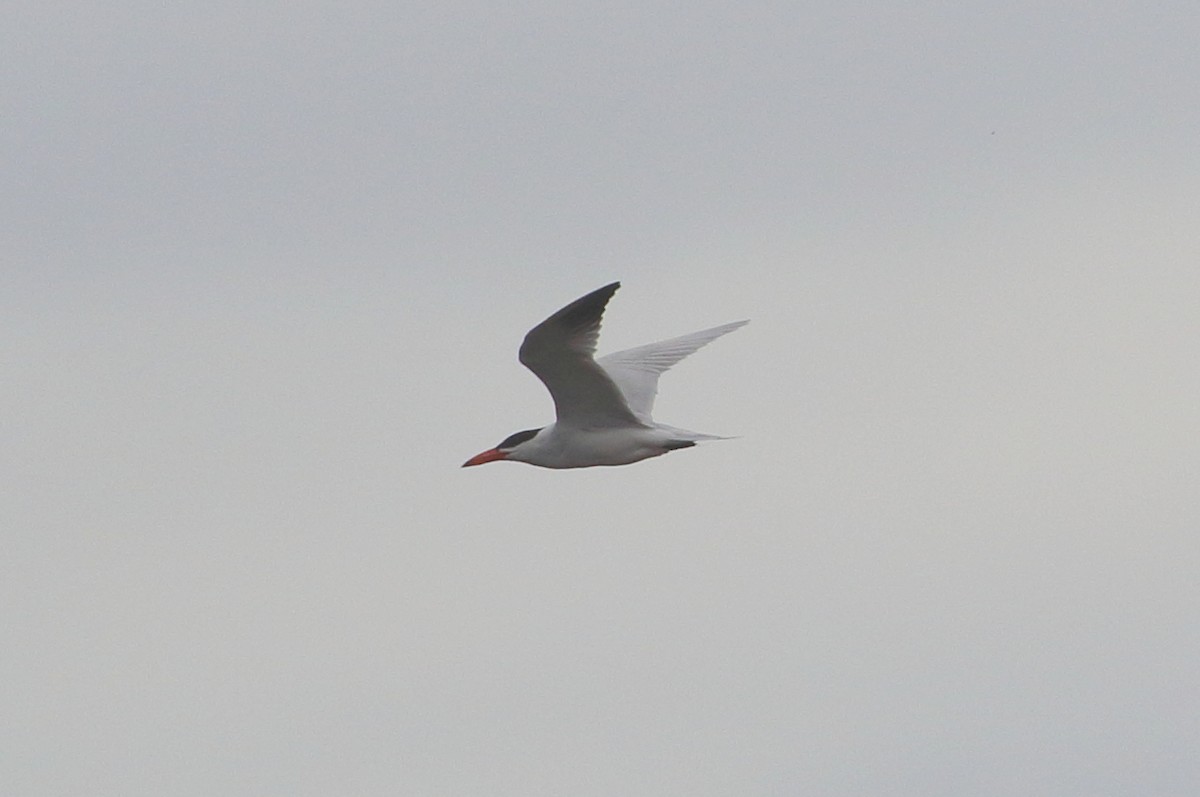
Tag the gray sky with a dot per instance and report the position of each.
(265, 272)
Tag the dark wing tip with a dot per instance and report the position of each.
(597, 298)
(586, 309)
(581, 313)
(563, 330)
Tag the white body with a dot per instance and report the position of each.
(556, 446)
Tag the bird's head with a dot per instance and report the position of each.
(505, 450)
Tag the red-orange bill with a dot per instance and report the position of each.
(491, 455)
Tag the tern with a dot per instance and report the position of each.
(602, 406)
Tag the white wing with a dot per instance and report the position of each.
(636, 371)
(559, 350)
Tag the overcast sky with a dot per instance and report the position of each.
(265, 270)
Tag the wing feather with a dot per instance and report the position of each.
(560, 352)
(636, 371)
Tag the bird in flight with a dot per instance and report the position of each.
(602, 405)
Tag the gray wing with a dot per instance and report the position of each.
(636, 371)
(559, 351)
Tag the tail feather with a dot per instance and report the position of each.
(688, 436)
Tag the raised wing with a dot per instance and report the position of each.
(559, 350)
(636, 371)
